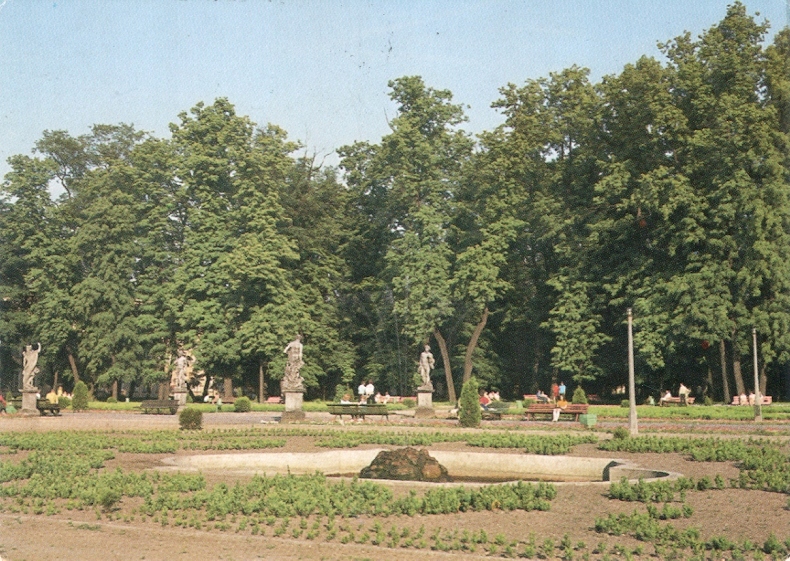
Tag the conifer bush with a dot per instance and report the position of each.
(243, 405)
(579, 396)
(80, 397)
(470, 414)
(190, 418)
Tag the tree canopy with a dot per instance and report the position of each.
(664, 188)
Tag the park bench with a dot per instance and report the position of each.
(43, 405)
(736, 400)
(356, 410)
(676, 401)
(159, 406)
(274, 399)
(572, 409)
(490, 415)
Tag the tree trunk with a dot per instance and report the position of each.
(448, 371)
(470, 348)
(763, 379)
(73, 364)
(725, 384)
(261, 382)
(227, 388)
(736, 366)
(115, 390)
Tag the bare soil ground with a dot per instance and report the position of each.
(733, 513)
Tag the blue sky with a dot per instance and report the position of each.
(318, 69)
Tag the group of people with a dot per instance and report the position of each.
(683, 393)
(744, 399)
(558, 392)
(487, 398)
(366, 392)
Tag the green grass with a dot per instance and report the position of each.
(702, 412)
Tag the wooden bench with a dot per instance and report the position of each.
(572, 409)
(767, 400)
(675, 401)
(491, 414)
(274, 399)
(43, 405)
(356, 410)
(159, 406)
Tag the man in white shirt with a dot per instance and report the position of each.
(361, 391)
(370, 390)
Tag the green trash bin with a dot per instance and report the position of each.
(588, 420)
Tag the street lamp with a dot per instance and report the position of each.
(633, 427)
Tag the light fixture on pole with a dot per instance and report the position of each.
(633, 427)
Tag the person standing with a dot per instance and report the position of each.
(361, 392)
(370, 391)
(562, 390)
(555, 392)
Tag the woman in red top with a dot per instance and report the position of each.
(555, 392)
(484, 400)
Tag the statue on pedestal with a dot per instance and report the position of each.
(29, 370)
(293, 381)
(427, 364)
(178, 380)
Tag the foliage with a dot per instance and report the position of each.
(112, 399)
(80, 397)
(620, 434)
(469, 414)
(242, 405)
(190, 419)
(662, 188)
(579, 396)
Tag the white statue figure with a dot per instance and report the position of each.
(292, 379)
(180, 372)
(426, 365)
(29, 370)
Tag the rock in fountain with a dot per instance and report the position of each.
(407, 464)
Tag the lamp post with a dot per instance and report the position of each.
(633, 427)
(758, 397)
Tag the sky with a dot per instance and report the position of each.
(317, 68)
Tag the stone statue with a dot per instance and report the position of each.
(29, 370)
(426, 365)
(293, 381)
(180, 372)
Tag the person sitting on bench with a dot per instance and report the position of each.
(542, 397)
(485, 401)
(666, 397)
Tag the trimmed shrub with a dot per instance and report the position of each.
(621, 433)
(579, 397)
(80, 399)
(625, 403)
(470, 414)
(111, 399)
(409, 403)
(242, 405)
(190, 418)
(708, 401)
(64, 402)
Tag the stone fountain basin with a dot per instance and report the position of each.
(468, 467)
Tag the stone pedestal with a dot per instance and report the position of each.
(180, 397)
(29, 403)
(293, 406)
(424, 403)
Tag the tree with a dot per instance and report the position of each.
(237, 298)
